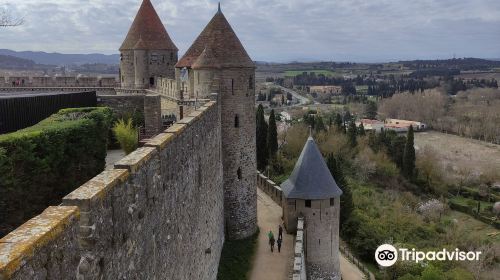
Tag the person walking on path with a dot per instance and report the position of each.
(270, 235)
(279, 244)
(280, 232)
(272, 241)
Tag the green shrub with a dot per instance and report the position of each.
(126, 135)
(42, 163)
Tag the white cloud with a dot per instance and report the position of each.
(274, 30)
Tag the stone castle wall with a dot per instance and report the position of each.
(157, 215)
(270, 188)
(167, 87)
(299, 262)
(140, 66)
(123, 105)
(321, 235)
(8, 82)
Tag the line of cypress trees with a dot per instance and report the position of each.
(272, 136)
(352, 134)
(346, 204)
(261, 139)
(409, 155)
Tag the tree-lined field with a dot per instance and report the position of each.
(293, 73)
(459, 154)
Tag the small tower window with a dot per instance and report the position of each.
(308, 203)
(236, 121)
(332, 201)
(232, 86)
(171, 56)
(239, 173)
(250, 82)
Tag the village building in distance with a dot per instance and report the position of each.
(399, 126)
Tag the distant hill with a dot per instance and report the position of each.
(11, 62)
(463, 64)
(63, 59)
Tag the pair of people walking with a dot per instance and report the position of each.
(272, 240)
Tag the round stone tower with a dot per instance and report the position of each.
(140, 65)
(218, 62)
(311, 192)
(147, 51)
(206, 72)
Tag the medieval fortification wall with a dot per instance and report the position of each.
(158, 214)
(58, 82)
(276, 194)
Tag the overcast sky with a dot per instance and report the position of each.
(273, 30)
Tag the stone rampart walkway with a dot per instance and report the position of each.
(268, 265)
(278, 266)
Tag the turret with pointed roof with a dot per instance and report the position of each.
(312, 193)
(147, 26)
(147, 51)
(311, 178)
(218, 62)
(225, 45)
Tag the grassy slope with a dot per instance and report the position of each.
(235, 262)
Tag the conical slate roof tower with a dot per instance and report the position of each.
(147, 53)
(311, 178)
(312, 194)
(218, 63)
(223, 43)
(147, 26)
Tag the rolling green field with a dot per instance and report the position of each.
(361, 89)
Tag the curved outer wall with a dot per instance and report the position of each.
(204, 82)
(137, 67)
(239, 151)
(141, 68)
(322, 234)
(127, 69)
(161, 63)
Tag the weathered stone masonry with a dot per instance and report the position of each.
(158, 215)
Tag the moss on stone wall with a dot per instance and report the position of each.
(42, 163)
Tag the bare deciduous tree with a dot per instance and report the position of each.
(486, 260)
(8, 20)
(472, 113)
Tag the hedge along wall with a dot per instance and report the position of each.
(38, 106)
(39, 165)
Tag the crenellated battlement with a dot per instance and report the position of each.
(164, 210)
(48, 82)
(159, 212)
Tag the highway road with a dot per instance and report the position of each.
(302, 100)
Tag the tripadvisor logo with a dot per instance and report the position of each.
(386, 255)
